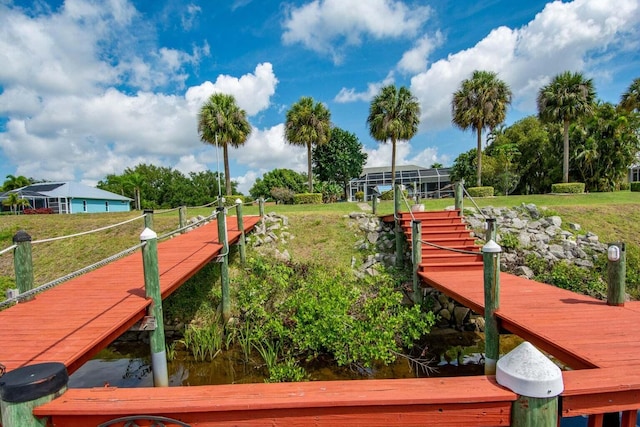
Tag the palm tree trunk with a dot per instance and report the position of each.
(565, 153)
(227, 173)
(479, 169)
(309, 167)
(393, 163)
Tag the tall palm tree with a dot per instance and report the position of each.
(567, 97)
(135, 181)
(480, 103)
(308, 123)
(13, 182)
(630, 100)
(14, 200)
(221, 122)
(394, 114)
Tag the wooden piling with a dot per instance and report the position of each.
(616, 274)
(224, 265)
(491, 230)
(23, 261)
(374, 204)
(261, 207)
(152, 289)
(182, 216)
(416, 251)
(398, 229)
(491, 257)
(241, 240)
(148, 218)
(459, 195)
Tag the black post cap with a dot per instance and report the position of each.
(33, 382)
(21, 236)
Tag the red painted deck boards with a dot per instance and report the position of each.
(73, 321)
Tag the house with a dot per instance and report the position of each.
(71, 197)
(422, 182)
(634, 173)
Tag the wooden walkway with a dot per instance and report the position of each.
(72, 322)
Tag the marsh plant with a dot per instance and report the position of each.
(204, 342)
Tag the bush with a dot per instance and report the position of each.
(634, 186)
(307, 199)
(359, 196)
(568, 187)
(388, 195)
(282, 195)
(231, 200)
(480, 191)
(39, 211)
(624, 186)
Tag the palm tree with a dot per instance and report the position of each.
(308, 123)
(394, 114)
(567, 97)
(135, 181)
(14, 200)
(13, 182)
(630, 100)
(481, 102)
(221, 122)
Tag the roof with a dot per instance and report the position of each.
(73, 190)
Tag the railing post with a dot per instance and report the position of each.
(374, 204)
(397, 200)
(459, 195)
(399, 233)
(241, 241)
(491, 230)
(616, 272)
(491, 257)
(261, 206)
(148, 218)
(416, 250)
(27, 387)
(224, 264)
(23, 261)
(152, 290)
(182, 216)
(536, 380)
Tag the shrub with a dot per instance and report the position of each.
(480, 191)
(307, 198)
(359, 196)
(388, 195)
(624, 186)
(509, 241)
(231, 200)
(568, 187)
(282, 195)
(634, 186)
(39, 211)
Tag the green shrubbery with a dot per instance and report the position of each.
(307, 199)
(480, 191)
(231, 200)
(570, 276)
(359, 196)
(568, 187)
(634, 186)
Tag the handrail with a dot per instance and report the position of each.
(205, 205)
(52, 239)
(448, 187)
(473, 201)
(10, 248)
(462, 251)
(181, 229)
(406, 202)
(164, 211)
(69, 276)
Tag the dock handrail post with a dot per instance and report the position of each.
(182, 216)
(374, 204)
(241, 240)
(416, 251)
(224, 264)
(23, 261)
(398, 229)
(491, 258)
(491, 230)
(616, 272)
(152, 290)
(536, 380)
(148, 218)
(459, 195)
(27, 387)
(261, 207)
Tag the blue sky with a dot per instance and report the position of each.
(88, 88)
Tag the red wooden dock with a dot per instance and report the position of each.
(72, 322)
(601, 342)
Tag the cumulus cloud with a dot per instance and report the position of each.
(561, 37)
(266, 149)
(416, 59)
(350, 95)
(253, 92)
(329, 26)
(381, 156)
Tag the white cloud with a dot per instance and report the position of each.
(417, 59)
(246, 181)
(266, 150)
(189, 15)
(350, 95)
(252, 91)
(381, 156)
(189, 163)
(329, 26)
(559, 38)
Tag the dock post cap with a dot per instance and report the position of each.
(238, 202)
(491, 247)
(31, 382)
(528, 372)
(148, 234)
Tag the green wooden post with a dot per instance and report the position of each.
(616, 274)
(25, 388)
(241, 240)
(182, 216)
(536, 380)
(261, 206)
(23, 262)
(459, 195)
(224, 265)
(148, 218)
(416, 250)
(152, 289)
(397, 200)
(398, 228)
(491, 230)
(491, 257)
(374, 203)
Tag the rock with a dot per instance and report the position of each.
(443, 299)
(524, 271)
(575, 227)
(372, 237)
(555, 220)
(445, 314)
(282, 256)
(460, 314)
(524, 240)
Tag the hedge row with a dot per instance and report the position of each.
(307, 199)
(568, 187)
(231, 200)
(634, 186)
(480, 191)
